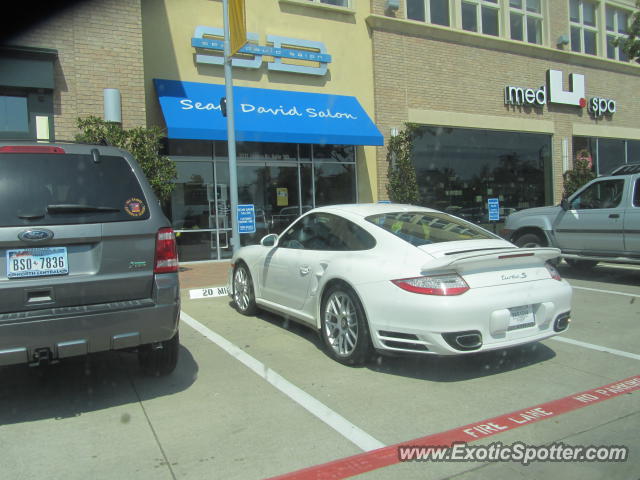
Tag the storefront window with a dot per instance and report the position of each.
(608, 153)
(580, 144)
(334, 183)
(281, 181)
(14, 115)
(334, 153)
(633, 151)
(459, 169)
(611, 154)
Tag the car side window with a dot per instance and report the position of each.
(323, 231)
(604, 194)
(291, 237)
(636, 195)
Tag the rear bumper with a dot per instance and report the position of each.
(420, 324)
(69, 332)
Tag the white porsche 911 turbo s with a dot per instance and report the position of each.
(402, 278)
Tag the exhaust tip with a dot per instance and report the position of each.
(562, 322)
(464, 341)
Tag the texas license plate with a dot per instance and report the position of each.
(37, 262)
(521, 316)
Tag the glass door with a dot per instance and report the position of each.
(282, 196)
(220, 211)
(190, 208)
(273, 189)
(200, 209)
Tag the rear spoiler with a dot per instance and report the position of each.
(512, 256)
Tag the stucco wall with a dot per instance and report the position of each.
(169, 25)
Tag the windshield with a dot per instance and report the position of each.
(422, 228)
(55, 189)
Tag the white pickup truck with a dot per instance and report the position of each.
(599, 222)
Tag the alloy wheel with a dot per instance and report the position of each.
(241, 289)
(341, 323)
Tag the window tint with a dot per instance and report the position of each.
(56, 189)
(421, 228)
(605, 194)
(324, 231)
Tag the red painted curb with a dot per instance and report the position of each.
(386, 456)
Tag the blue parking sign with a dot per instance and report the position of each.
(494, 209)
(246, 215)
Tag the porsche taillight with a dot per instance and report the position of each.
(166, 252)
(442, 285)
(553, 271)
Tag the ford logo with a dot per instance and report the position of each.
(35, 235)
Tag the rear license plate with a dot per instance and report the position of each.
(521, 317)
(37, 262)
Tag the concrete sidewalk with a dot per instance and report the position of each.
(203, 274)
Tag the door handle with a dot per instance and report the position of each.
(614, 215)
(304, 269)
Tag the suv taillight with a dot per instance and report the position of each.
(166, 252)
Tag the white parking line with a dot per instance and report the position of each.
(596, 347)
(613, 292)
(348, 430)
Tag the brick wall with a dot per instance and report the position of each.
(99, 44)
(423, 68)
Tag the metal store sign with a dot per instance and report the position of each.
(211, 39)
(557, 94)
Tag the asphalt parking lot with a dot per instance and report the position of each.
(257, 397)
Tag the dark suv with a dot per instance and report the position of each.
(88, 261)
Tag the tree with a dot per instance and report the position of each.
(403, 184)
(142, 142)
(581, 173)
(631, 44)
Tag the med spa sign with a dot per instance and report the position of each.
(554, 92)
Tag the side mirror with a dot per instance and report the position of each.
(565, 204)
(269, 240)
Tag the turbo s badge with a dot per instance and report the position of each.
(135, 207)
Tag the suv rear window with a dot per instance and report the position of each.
(58, 189)
(421, 228)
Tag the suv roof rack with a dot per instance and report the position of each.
(626, 169)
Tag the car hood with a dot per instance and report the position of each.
(552, 210)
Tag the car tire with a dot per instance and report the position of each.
(243, 294)
(344, 326)
(529, 240)
(581, 265)
(159, 362)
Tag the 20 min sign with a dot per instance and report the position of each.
(208, 292)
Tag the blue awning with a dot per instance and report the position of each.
(192, 111)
